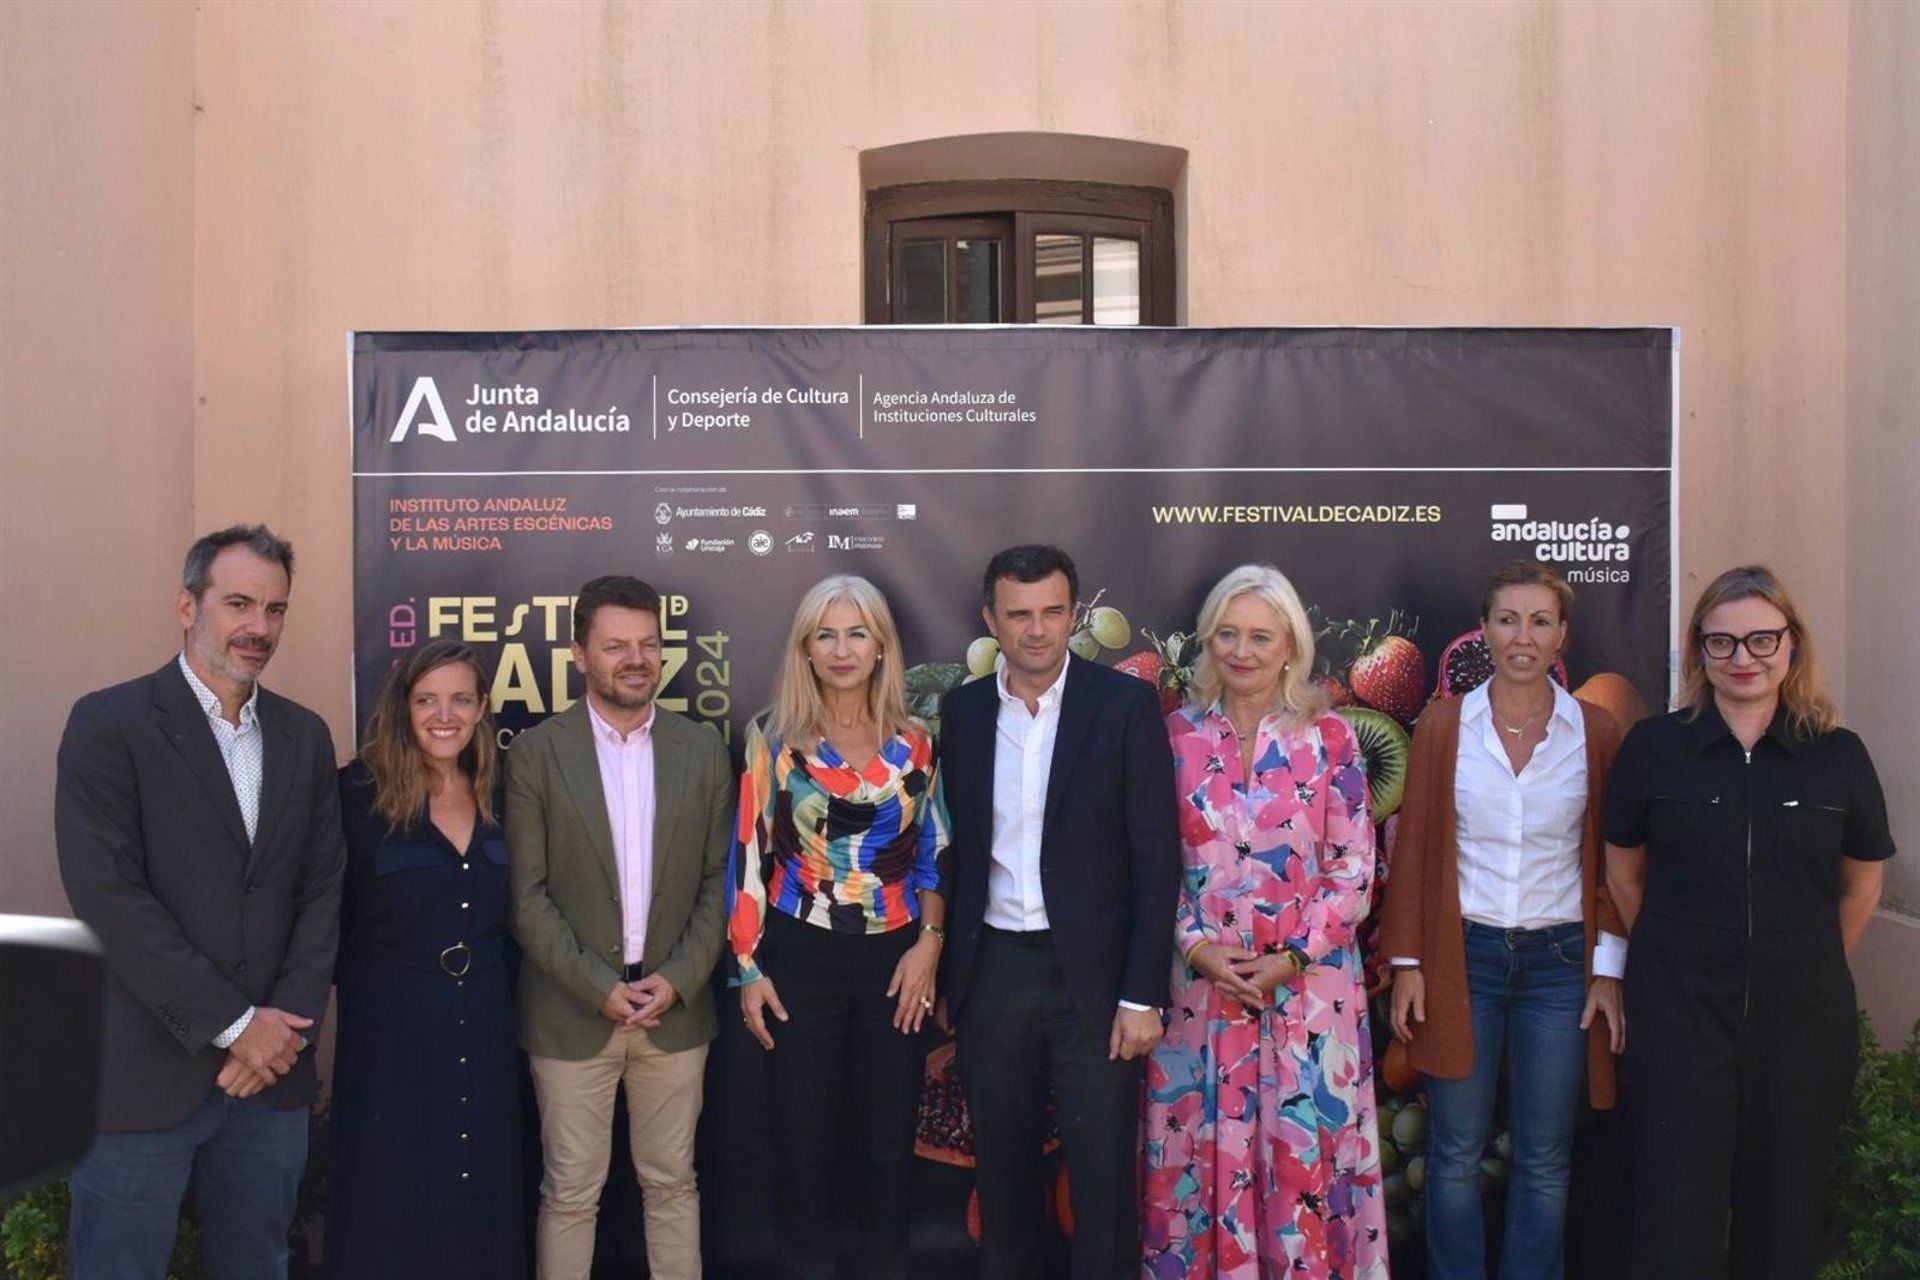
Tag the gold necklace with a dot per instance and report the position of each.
(1509, 728)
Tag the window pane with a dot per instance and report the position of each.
(979, 271)
(923, 282)
(1057, 286)
(1116, 281)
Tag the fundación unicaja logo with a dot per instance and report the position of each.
(425, 396)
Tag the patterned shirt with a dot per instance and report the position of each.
(837, 847)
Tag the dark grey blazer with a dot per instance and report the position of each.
(198, 922)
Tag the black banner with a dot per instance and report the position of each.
(1385, 471)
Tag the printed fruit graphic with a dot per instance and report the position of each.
(1109, 627)
(981, 655)
(1410, 1129)
(1389, 672)
(1384, 745)
(945, 1133)
(1145, 665)
(1467, 663)
(1168, 666)
(1098, 626)
(1338, 695)
(1616, 693)
(1396, 1071)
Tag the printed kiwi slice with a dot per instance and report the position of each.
(1384, 746)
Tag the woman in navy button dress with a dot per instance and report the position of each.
(426, 1178)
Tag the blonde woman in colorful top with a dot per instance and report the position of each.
(835, 919)
(1262, 1154)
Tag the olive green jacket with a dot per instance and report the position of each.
(566, 887)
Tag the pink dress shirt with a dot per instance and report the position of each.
(626, 776)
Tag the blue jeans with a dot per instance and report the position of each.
(245, 1157)
(1527, 988)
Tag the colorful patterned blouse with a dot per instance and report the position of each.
(841, 848)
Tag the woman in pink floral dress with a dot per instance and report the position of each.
(1262, 1156)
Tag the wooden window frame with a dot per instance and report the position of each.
(1034, 206)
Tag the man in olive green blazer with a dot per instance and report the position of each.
(619, 814)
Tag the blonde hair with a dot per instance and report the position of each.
(798, 716)
(392, 753)
(1810, 710)
(1298, 699)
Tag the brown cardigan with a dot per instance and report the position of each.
(1421, 918)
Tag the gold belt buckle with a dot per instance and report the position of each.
(466, 960)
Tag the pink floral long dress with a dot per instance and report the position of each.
(1262, 1154)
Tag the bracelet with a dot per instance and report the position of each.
(934, 929)
(1194, 950)
(1300, 960)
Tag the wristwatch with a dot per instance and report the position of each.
(937, 931)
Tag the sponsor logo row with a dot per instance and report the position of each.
(763, 543)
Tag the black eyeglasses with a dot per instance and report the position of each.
(1761, 644)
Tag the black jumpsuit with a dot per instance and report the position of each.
(1740, 1005)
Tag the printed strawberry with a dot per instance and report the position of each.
(1147, 665)
(1338, 695)
(1168, 666)
(1389, 672)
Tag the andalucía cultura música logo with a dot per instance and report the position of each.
(1593, 549)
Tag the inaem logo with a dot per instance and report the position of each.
(437, 424)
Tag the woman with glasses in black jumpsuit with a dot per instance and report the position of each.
(1746, 835)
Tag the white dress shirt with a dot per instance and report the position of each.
(626, 778)
(1022, 763)
(1519, 835)
(242, 750)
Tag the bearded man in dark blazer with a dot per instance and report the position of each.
(198, 830)
(1066, 872)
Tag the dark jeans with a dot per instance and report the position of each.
(1527, 988)
(840, 1077)
(245, 1158)
(1019, 1032)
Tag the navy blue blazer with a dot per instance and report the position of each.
(1109, 845)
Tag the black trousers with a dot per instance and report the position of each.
(845, 1089)
(1018, 1033)
(1738, 1079)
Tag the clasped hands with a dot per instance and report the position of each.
(1243, 975)
(264, 1052)
(640, 1003)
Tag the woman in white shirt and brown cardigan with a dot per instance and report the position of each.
(1501, 934)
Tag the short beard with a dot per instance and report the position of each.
(214, 658)
(610, 694)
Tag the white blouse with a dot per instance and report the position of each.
(1519, 835)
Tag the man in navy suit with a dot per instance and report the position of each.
(1066, 870)
(198, 828)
